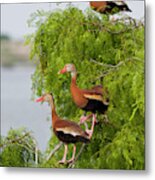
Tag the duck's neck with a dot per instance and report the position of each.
(73, 76)
(53, 113)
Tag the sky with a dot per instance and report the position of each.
(14, 16)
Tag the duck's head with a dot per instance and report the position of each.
(67, 68)
(45, 98)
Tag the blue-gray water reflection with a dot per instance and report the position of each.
(17, 109)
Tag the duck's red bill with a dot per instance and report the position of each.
(40, 99)
(62, 71)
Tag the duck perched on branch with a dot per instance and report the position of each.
(93, 100)
(66, 131)
(109, 7)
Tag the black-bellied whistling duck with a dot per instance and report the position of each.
(92, 100)
(107, 7)
(66, 131)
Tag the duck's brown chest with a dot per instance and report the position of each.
(77, 96)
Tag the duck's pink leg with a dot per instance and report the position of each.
(64, 156)
(85, 118)
(90, 132)
(73, 155)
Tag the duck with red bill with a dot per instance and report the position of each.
(66, 131)
(92, 100)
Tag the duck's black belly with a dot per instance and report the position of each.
(95, 106)
(111, 6)
(68, 138)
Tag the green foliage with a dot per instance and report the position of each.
(18, 149)
(104, 52)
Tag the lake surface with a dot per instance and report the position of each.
(17, 108)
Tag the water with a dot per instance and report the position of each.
(17, 109)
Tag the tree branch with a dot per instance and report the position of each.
(112, 67)
(104, 28)
(101, 64)
(57, 147)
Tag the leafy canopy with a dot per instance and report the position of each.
(19, 149)
(107, 52)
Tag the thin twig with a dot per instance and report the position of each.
(25, 146)
(57, 147)
(104, 28)
(101, 64)
(112, 67)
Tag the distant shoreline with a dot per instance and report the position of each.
(14, 53)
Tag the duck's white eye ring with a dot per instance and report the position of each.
(69, 67)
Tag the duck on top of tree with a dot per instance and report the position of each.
(66, 131)
(109, 7)
(93, 100)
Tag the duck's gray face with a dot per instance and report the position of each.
(45, 98)
(67, 68)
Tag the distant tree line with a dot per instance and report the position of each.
(4, 37)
